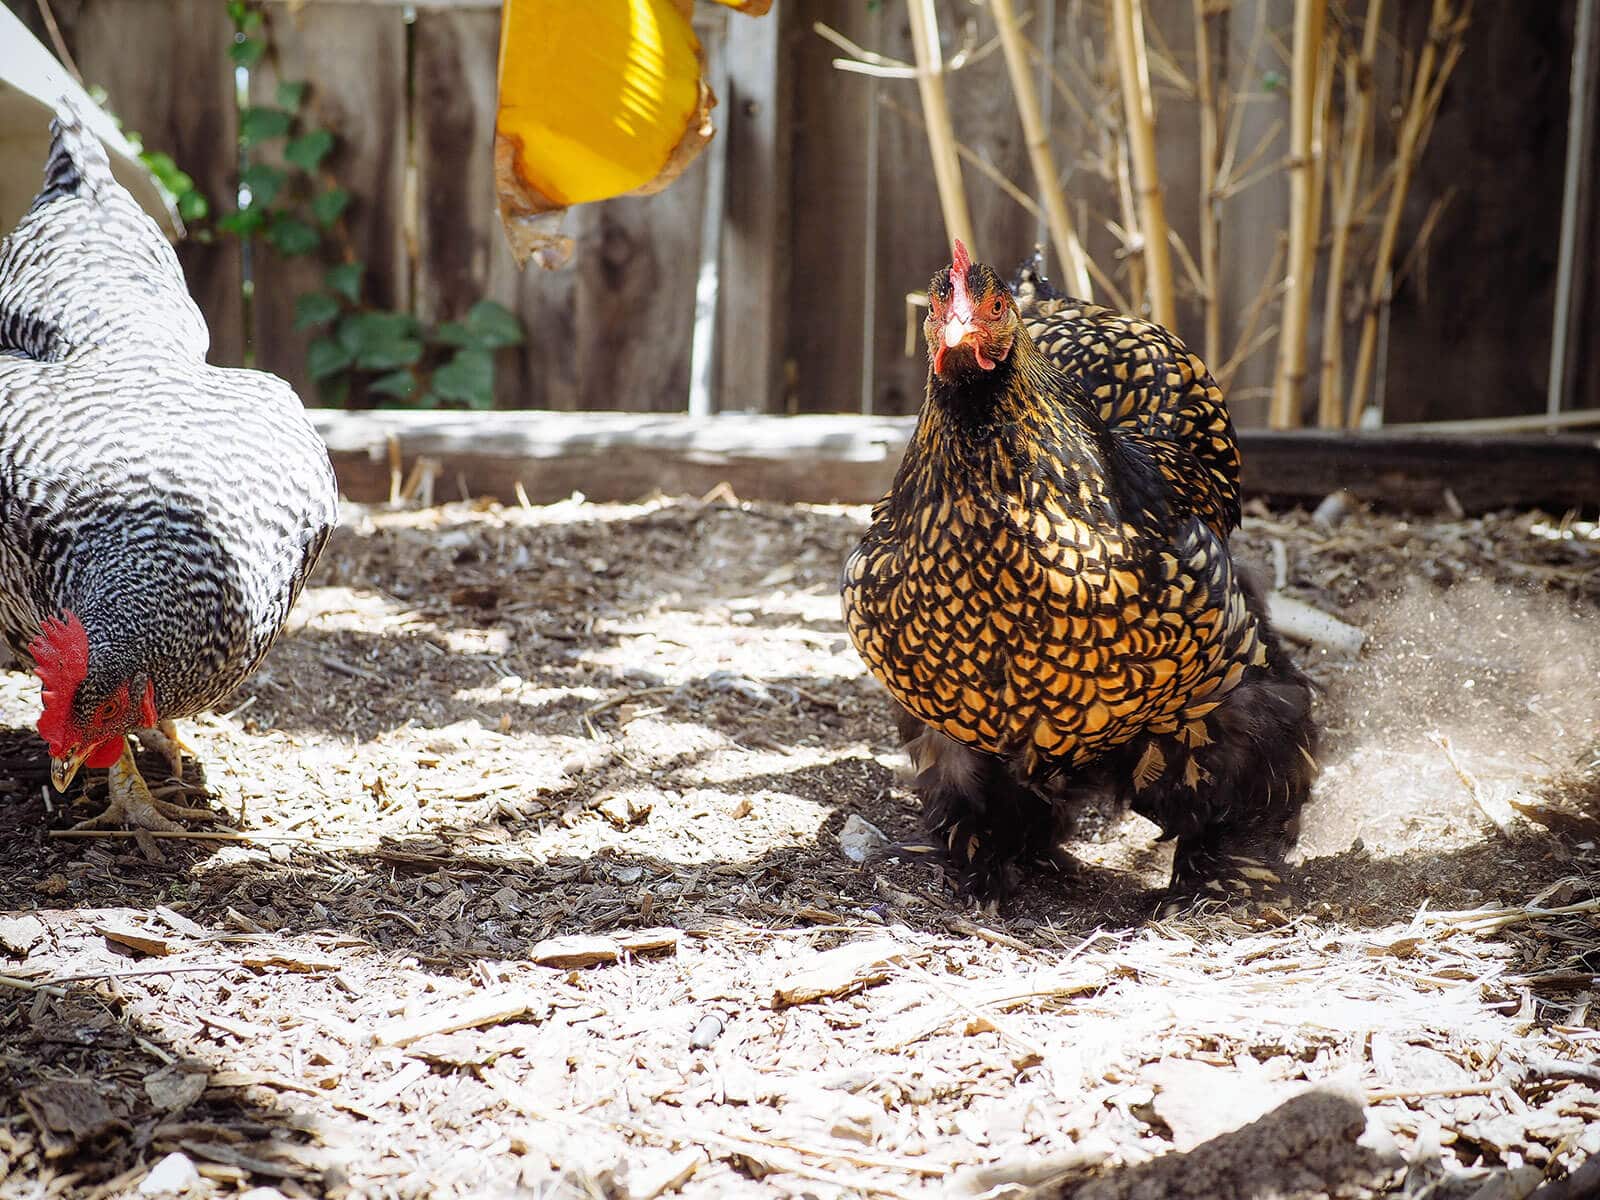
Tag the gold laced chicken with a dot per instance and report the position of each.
(1047, 593)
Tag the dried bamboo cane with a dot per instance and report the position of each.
(1069, 250)
(1327, 60)
(1210, 224)
(1284, 413)
(1358, 88)
(936, 114)
(1129, 208)
(1138, 106)
(1413, 128)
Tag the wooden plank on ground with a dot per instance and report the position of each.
(849, 458)
(165, 67)
(462, 255)
(354, 59)
(618, 456)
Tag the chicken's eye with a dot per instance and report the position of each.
(107, 711)
(998, 307)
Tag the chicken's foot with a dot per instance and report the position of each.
(132, 805)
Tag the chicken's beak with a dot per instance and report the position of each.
(63, 769)
(960, 333)
(956, 331)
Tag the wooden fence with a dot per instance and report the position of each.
(814, 212)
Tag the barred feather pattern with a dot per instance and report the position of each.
(1049, 597)
(176, 507)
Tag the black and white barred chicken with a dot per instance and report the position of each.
(1048, 594)
(158, 516)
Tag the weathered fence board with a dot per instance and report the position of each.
(752, 313)
(462, 255)
(828, 207)
(354, 58)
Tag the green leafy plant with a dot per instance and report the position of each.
(291, 201)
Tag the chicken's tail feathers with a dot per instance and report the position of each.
(77, 164)
(86, 268)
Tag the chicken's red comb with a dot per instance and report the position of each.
(61, 658)
(960, 264)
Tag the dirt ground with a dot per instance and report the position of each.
(530, 882)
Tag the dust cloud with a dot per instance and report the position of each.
(1504, 680)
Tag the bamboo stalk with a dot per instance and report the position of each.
(1138, 106)
(1069, 250)
(1358, 88)
(1309, 16)
(1129, 233)
(936, 114)
(1323, 135)
(1210, 218)
(1413, 127)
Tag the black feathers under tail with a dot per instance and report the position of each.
(1235, 805)
(982, 820)
(1231, 798)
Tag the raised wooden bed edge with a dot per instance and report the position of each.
(843, 458)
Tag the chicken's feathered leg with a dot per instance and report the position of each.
(132, 805)
(165, 739)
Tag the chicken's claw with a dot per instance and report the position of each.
(1233, 881)
(132, 806)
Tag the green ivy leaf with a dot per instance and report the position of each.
(257, 125)
(487, 326)
(237, 10)
(192, 206)
(328, 206)
(381, 341)
(160, 164)
(292, 236)
(309, 149)
(468, 378)
(245, 222)
(291, 94)
(314, 308)
(248, 52)
(325, 357)
(399, 384)
(251, 21)
(264, 181)
(494, 324)
(346, 280)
